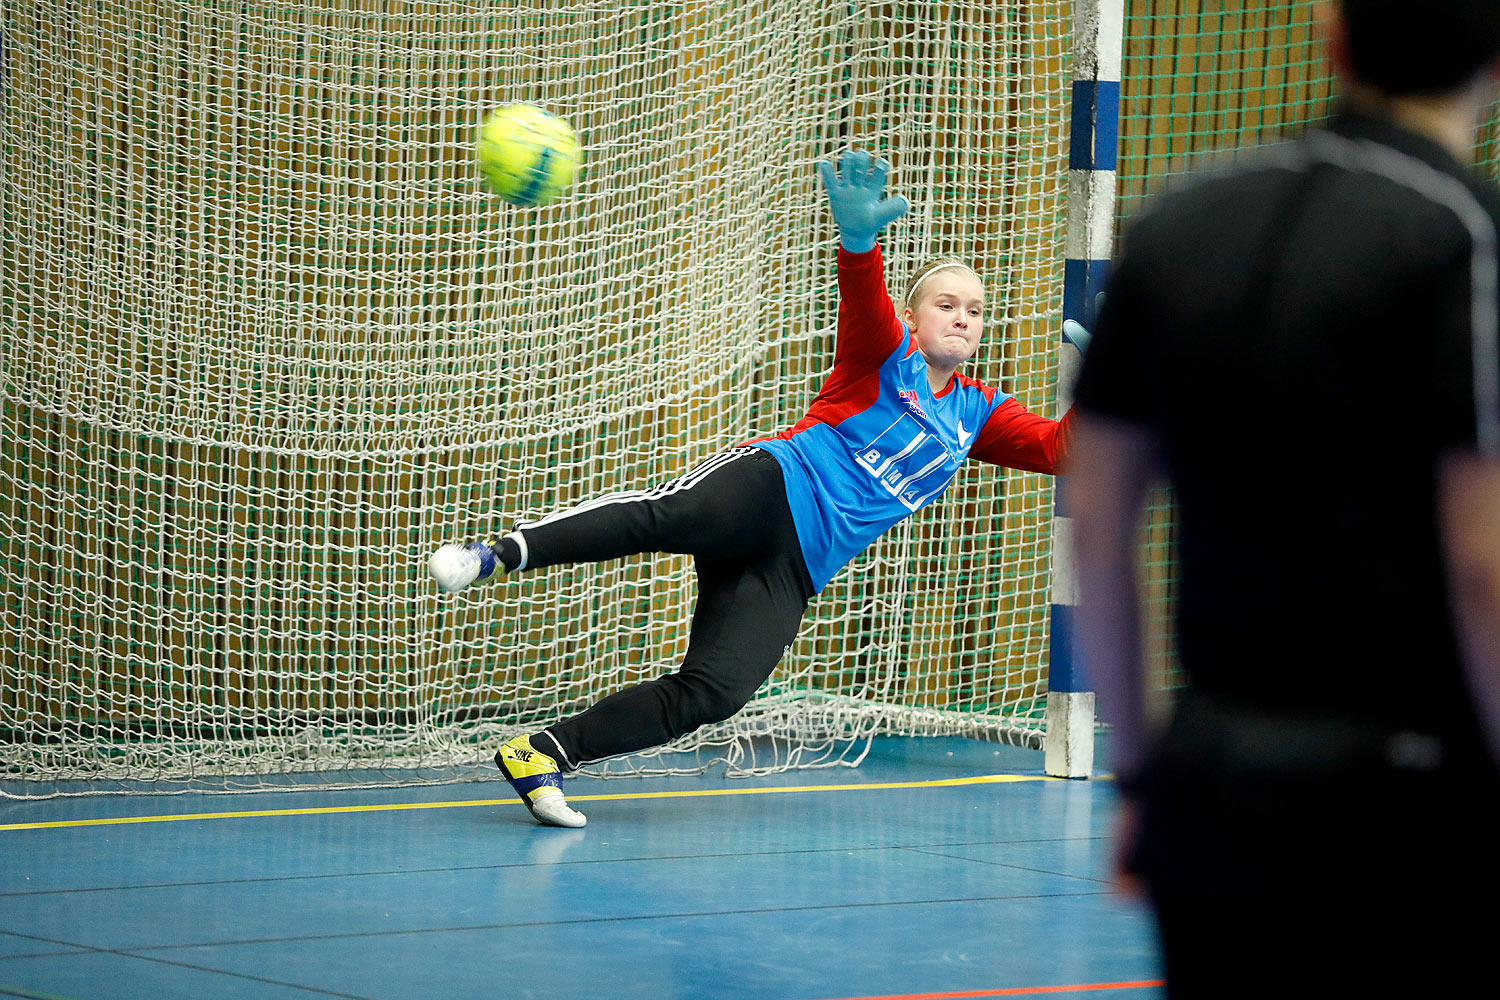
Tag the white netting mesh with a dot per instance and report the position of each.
(267, 343)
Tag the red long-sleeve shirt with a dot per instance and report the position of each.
(877, 443)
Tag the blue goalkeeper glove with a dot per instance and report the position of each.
(856, 197)
(1077, 333)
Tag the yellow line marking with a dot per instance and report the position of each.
(983, 779)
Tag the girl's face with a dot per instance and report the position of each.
(948, 318)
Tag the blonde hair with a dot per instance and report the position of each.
(926, 271)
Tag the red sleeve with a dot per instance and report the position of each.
(1019, 439)
(868, 328)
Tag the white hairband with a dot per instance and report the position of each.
(911, 296)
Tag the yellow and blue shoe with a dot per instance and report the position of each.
(538, 780)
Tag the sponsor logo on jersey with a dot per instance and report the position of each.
(909, 397)
(908, 461)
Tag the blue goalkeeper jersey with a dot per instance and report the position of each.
(878, 444)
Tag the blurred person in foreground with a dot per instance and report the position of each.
(1304, 346)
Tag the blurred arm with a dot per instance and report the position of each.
(1110, 466)
(1469, 509)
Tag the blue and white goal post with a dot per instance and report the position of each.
(1098, 29)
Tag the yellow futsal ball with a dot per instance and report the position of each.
(526, 155)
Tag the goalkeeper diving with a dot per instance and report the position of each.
(770, 521)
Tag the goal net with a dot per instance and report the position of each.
(267, 343)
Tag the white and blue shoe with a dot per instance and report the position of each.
(455, 566)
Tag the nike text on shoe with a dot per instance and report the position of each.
(538, 780)
(456, 566)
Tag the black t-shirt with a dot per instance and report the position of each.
(1298, 332)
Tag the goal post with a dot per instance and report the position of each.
(1098, 28)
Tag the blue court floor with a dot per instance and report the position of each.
(938, 868)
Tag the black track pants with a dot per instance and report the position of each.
(731, 515)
